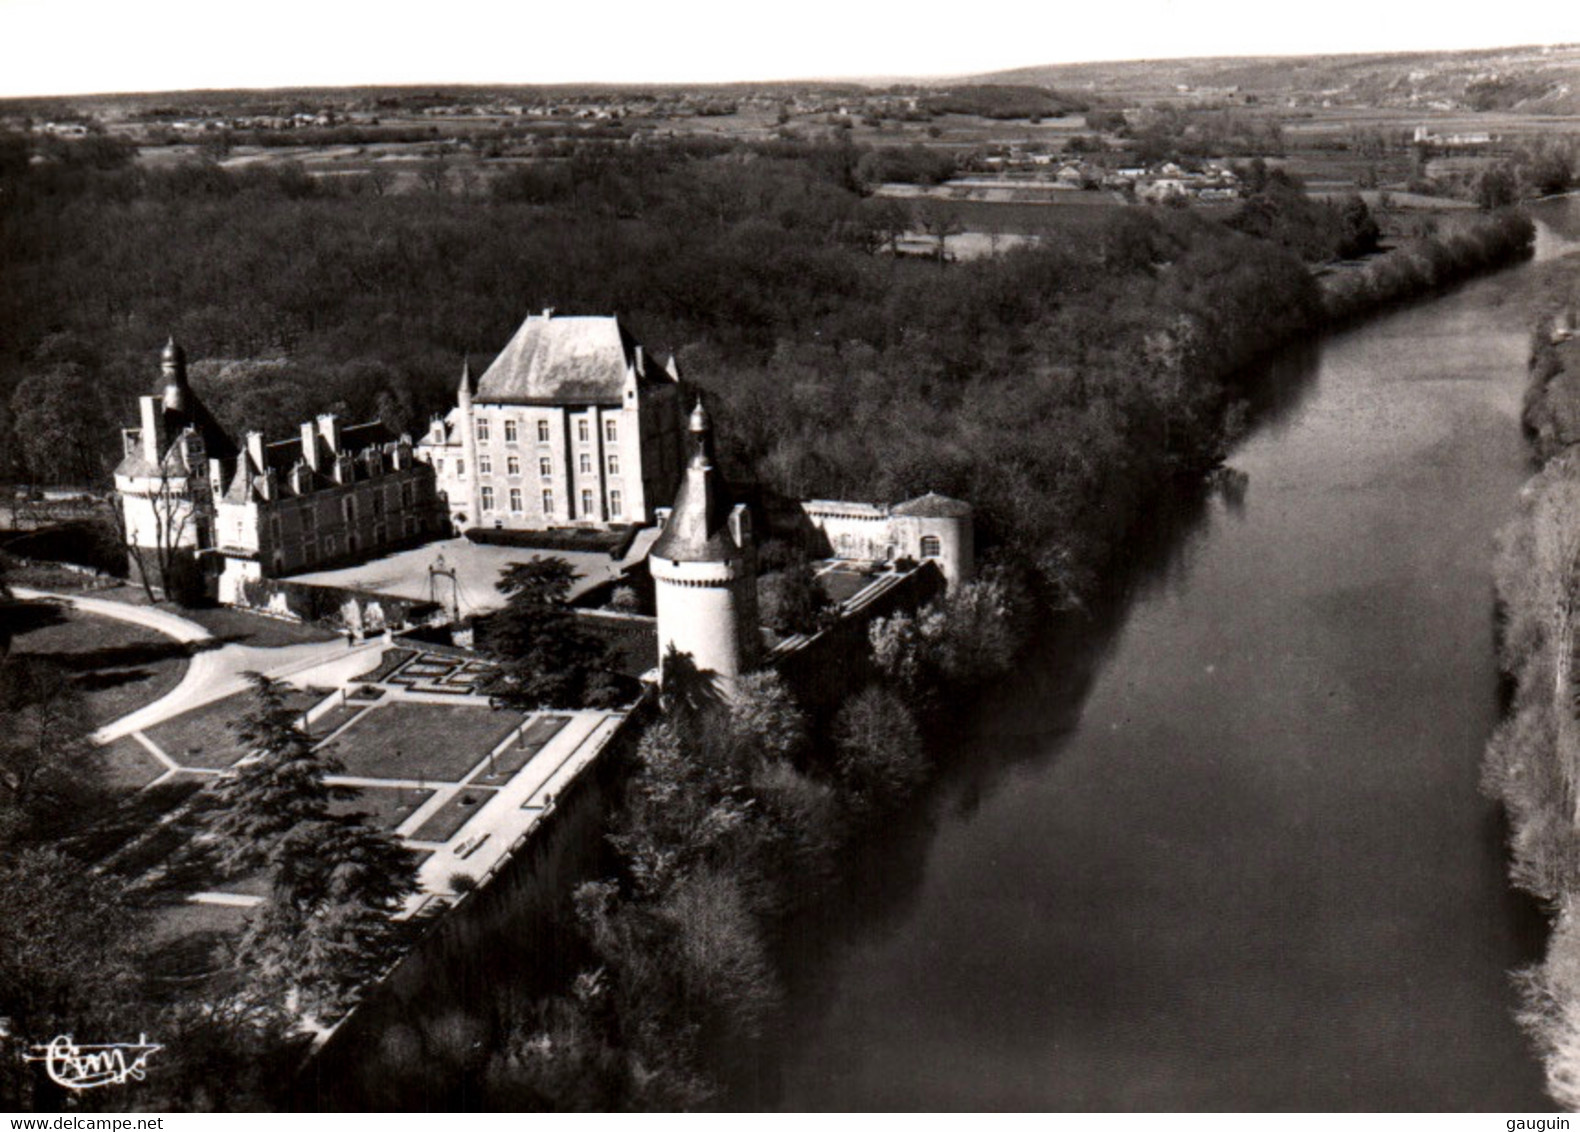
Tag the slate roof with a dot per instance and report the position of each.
(698, 527)
(933, 506)
(217, 443)
(566, 360)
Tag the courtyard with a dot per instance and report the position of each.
(477, 566)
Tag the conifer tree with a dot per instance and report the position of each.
(336, 882)
(545, 659)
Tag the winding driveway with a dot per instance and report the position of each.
(215, 670)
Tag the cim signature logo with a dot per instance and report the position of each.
(88, 1067)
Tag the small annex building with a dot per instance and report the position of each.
(929, 527)
(572, 425)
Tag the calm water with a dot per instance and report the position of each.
(1227, 850)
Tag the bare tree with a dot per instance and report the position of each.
(159, 542)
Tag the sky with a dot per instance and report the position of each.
(91, 46)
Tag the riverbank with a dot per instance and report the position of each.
(1226, 851)
(1532, 764)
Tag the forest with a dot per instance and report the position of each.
(1054, 386)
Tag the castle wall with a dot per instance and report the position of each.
(409, 1045)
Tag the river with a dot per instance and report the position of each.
(1223, 848)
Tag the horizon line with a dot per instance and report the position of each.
(862, 80)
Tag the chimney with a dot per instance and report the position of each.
(216, 477)
(329, 429)
(310, 444)
(639, 359)
(548, 312)
(255, 449)
(152, 418)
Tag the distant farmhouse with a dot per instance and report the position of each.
(573, 424)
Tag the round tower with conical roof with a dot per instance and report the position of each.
(704, 567)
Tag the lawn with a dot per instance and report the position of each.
(116, 666)
(203, 737)
(232, 625)
(386, 806)
(436, 742)
(128, 765)
(251, 629)
(453, 815)
(517, 755)
(337, 716)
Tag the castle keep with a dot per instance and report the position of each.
(572, 425)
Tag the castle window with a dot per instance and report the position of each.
(406, 495)
(611, 433)
(486, 498)
(515, 499)
(438, 466)
(274, 528)
(585, 463)
(548, 502)
(581, 430)
(513, 465)
(615, 507)
(614, 464)
(510, 432)
(482, 430)
(378, 503)
(485, 465)
(586, 501)
(931, 547)
(545, 466)
(349, 506)
(460, 469)
(543, 432)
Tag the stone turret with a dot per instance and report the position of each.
(466, 423)
(704, 568)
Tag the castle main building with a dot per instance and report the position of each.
(572, 425)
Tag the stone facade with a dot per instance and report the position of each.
(572, 425)
(196, 504)
(327, 497)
